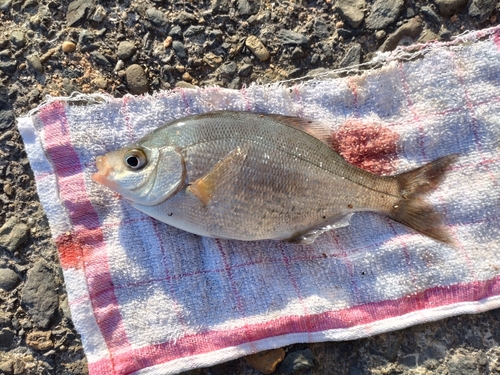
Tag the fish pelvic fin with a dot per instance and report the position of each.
(412, 210)
(221, 174)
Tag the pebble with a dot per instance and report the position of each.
(412, 29)
(175, 32)
(185, 85)
(352, 56)
(6, 337)
(352, 11)
(100, 59)
(187, 77)
(481, 9)
(78, 11)
(298, 53)
(194, 30)
(125, 50)
(448, 8)
(18, 38)
(297, 362)
(7, 118)
(245, 70)
(68, 46)
(266, 361)
(463, 365)
(39, 340)
(13, 234)
(167, 42)
(430, 15)
(228, 69)
(9, 66)
(180, 50)
(137, 80)
(8, 279)
(157, 17)
(248, 7)
(257, 48)
(292, 37)
(39, 294)
(220, 6)
(383, 13)
(99, 14)
(321, 29)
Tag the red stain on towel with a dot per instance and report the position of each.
(369, 146)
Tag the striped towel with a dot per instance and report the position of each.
(152, 299)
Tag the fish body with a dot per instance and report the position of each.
(249, 176)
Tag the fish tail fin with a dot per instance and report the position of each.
(412, 210)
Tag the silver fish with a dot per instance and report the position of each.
(250, 176)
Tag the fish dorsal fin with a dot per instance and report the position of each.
(315, 128)
(221, 174)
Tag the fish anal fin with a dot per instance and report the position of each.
(308, 236)
(221, 174)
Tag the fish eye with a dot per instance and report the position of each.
(135, 159)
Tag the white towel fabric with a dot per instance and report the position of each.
(151, 299)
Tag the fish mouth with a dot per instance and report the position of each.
(103, 169)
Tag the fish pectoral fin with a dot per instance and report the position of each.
(308, 236)
(221, 174)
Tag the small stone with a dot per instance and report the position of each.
(228, 69)
(8, 279)
(352, 11)
(180, 68)
(13, 234)
(245, 70)
(297, 362)
(193, 30)
(248, 7)
(298, 53)
(220, 6)
(266, 361)
(235, 84)
(137, 79)
(6, 367)
(100, 59)
(185, 85)
(167, 42)
(5, 5)
(39, 340)
(175, 32)
(6, 337)
(39, 294)
(68, 47)
(411, 29)
(125, 50)
(18, 38)
(352, 56)
(179, 49)
(321, 29)
(463, 365)
(212, 60)
(99, 14)
(380, 34)
(100, 82)
(9, 66)
(187, 77)
(7, 118)
(383, 13)
(292, 37)
(430, 15)
(157, 17)
(78, 11)
(257, 48)
(448, 8)
(481, 9)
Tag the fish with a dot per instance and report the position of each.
(253, 176)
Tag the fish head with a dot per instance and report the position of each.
(142, 175)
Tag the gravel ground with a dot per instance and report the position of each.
(56, 47)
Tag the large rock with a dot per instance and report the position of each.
(39, 294)
(137, 79)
